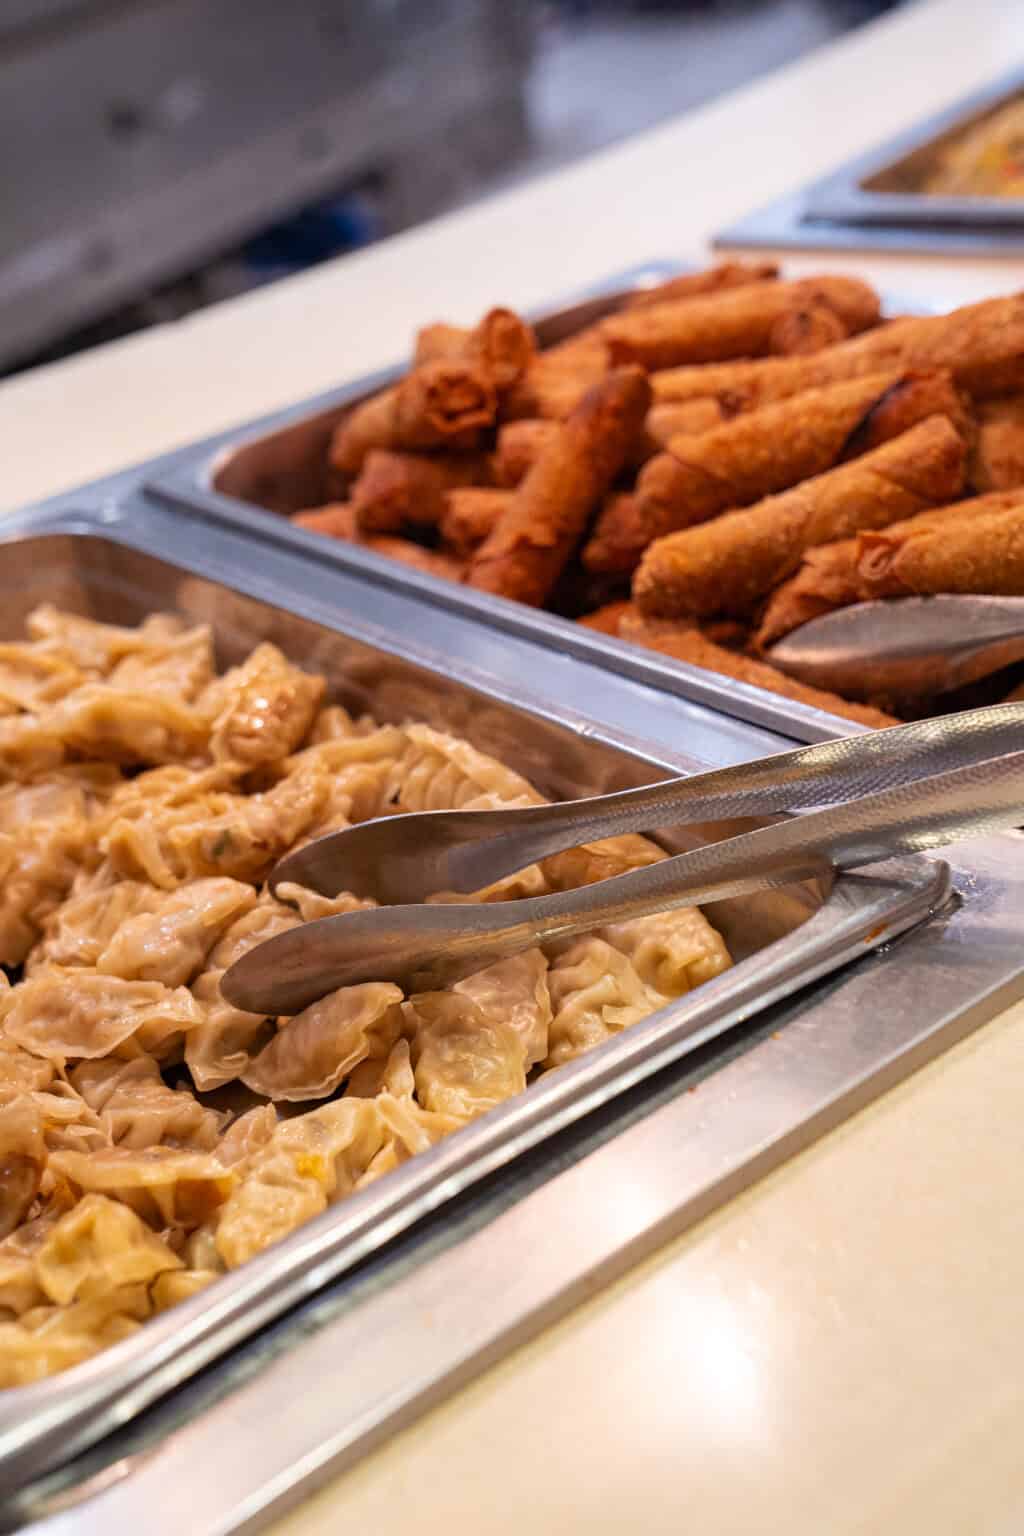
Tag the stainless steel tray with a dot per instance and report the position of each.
(783, 225)
(272, 1413)
(879, 187)
(278, 464)
(869, 203)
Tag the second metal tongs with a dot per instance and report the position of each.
(898, 791)
(905, 647)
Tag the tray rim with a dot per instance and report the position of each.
(75, 1409)
(840, 197)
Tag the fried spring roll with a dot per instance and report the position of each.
(737, 323)
(439, 340)
(556, 381)
(506, 346)
(548, 512)
(394, 490)
(469, 515)
(434, 561)
(982, 554)
(804, 329)
(502, 342)
(690, 645)
(982, 345)
(997, 462)
(442, 404)
(337, 519)
(682, 418)
(724, 566)
(828, 578)
(764, 452)
(519, 446)
(607, 618)
(692, 285)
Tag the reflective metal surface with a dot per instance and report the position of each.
(279, 464)
(906, 647)
(397, 859)
(237, 1443)
(425, 946)
(781, 942)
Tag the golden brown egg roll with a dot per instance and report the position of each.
(982, 345)
(394, 490)
(979, 554)
(441, 404)
(519, 446)
(736, 323)
(502, 341)
(764, 452)
(692, 285)
(337, 519)
(724, 566)
(548, 512)
(682, 418)
(434, 561)
(607, 618)
(828, 578)
(469, 515)
(688, 644)
(804, 329)
(556, 381)
(997, 459)
(439, 340)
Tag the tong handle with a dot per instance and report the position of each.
(408, 858)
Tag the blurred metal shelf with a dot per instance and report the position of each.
(139, 138)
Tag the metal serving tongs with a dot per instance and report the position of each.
(897, 791)
(905, 647)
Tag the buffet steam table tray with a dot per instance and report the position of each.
(251, 478)
(876, 201)
(291, 1366)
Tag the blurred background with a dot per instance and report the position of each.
(159, 155)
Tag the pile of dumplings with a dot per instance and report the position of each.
(152, 1136)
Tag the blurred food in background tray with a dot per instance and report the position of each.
(986, 160)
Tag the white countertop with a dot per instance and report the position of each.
(839, 1350)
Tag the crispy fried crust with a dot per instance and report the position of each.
(764, 452)
(337, 519)
(739, 322)
(441, 404)
(979, 554)
(399, 489)
(469, 515)
(828, 577)
(548, 513)
(688, 644)
(982, 345)
(724, 566)
(607, 618)
(997, 462)
(691, 285)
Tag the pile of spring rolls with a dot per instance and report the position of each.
(725, 457)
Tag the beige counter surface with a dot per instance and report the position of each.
(840, 1350)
